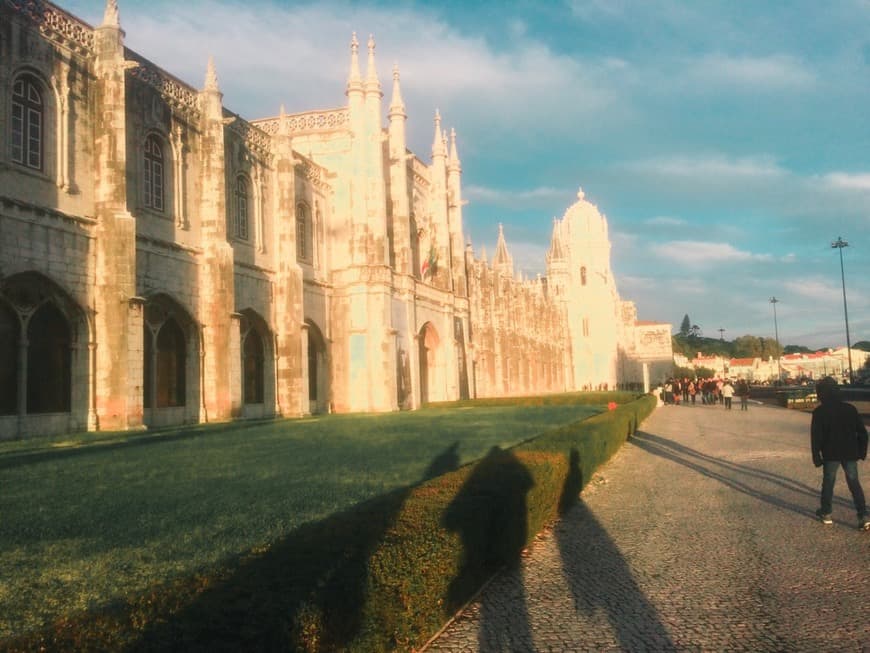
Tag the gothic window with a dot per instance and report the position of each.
(48, 362)
(240, 208)
(583, 276)
(9, 339)
(153, 174)
(253, 368)
(171, 361)
(28, 120)
(586, 326)
(303, 233)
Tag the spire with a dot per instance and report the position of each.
(111, 17)
(354, 80)
(397, 105)
(211, 82)
(483, 255)
(438, 148)
(372, 81)
(557, 251)
(502, 260)
(454, 156)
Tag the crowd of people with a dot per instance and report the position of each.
(711, 391)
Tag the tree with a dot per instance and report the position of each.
(705, 372)
(755, 347)
(685, 325)
(863, 345)
(684, 372)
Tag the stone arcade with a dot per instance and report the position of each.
(165, 261)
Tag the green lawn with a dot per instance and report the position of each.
(89, 518)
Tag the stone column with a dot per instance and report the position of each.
(216, 287)
(115, 233)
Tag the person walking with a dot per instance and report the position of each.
(742, 391)
(727, 393)
(839, 439)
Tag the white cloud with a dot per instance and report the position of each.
(693, 252)
(813, 289)
(771, 73)
(666, 221)
(298, 55)
(848, 181)
(716, 167)
(520, 198)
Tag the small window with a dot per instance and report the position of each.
(28, 118)
(240, 216)
(152, 174)
(583, 276)
(303, 233)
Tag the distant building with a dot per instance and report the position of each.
(833, 362)
(165, 261)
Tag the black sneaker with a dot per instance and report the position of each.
(825, 517)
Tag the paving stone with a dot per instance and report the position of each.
(699, 535)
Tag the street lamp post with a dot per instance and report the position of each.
(722, 334)
(775, 301)
(840, 244)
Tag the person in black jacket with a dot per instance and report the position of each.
(839, 439)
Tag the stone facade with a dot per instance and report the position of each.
(165, 261)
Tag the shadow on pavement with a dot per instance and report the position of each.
(600, 579)
(490, 515)
(743, 478)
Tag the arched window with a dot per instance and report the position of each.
(153, 174)
(48, 362)
(240, 208)
(28, 120)
(583, 276)
(303, 233)
(9, 339)
(171, 361)
(253, 364)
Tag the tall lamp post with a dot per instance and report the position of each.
(840, 244)
(775, 301)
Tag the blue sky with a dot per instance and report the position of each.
(726, 142)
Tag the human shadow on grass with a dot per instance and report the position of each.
(490, 515)
(306, 592)
(599, 577)
(742, 478)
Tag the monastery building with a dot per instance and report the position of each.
(165, 261)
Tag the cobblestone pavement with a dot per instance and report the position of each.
(699, 535)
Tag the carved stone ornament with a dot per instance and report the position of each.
(305, 122)
(55, 24)
(176, 94)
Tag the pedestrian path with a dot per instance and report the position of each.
(699, 535)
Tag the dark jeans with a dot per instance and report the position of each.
(727, 403)
(744, 403)
(829, 476)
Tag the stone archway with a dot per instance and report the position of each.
(318, 370)
(429, 345)
(44, 358)
(170, 366)
(257, 365)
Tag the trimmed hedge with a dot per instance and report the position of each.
(382, 576)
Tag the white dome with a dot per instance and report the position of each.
(584, 221)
